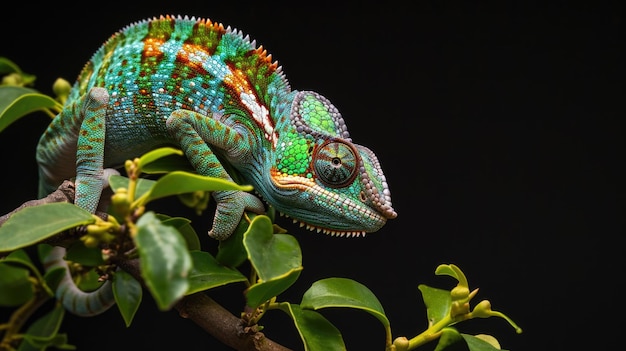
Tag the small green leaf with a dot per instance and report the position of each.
(34, 224)
(168, 164)
(184, 227)
(179, 182)
(449, 337)
(277, 259)
(117, 181)
(316, 332)
(43, 332)
(453, 271)
(475, 343)
(21, 258)
(7, 66)
(86, 256)
(128, 294)
(15, 287)
(483, 337)
(343, 292)
(231, 251)
(53, 277)
(17, 102)
(89, 280)
(165, 261)
(143, 185)
(208, 273)
(156, 154)
(39, 343)
(437, 302)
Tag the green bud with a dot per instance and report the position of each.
(459, 308)
(14, 79)
(120, 202)
(61, 88)
(482, 310)
(89, 241)
(459, 293)
(94, 229)
(401, 343)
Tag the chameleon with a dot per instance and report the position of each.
(219, 97)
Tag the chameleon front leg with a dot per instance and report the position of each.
(86, 118)
(196, 133)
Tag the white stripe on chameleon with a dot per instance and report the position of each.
(260, 115)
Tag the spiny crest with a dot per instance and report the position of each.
(263, 57)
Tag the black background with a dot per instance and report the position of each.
(498, 125)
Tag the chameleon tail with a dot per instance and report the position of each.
(76, 301)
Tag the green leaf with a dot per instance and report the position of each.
(53, 277)
(15, 287)
(452, 271)
(43, 332)
(449, 337)
(184, 227)
(179, 182)
(156, 154)
(475, 343)
(437, 301)
(7, 66)
(277, 259)
(86, 256)
(21, 258)
(128, 294)
(316, 332)
(89, 280)
(16, 102)
(34, 224)
(39, 343)
(165, 261)
(231, 251)
(208, 273)
(168, 164)
(343, 292)
(143, 185)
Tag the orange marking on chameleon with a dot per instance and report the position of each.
(152, 47)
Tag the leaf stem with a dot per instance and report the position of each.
(21, 315)
(430, 334)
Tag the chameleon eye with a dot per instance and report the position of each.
(335, 163)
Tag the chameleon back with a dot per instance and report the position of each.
(153, 67)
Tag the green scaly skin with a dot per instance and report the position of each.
(219, 97)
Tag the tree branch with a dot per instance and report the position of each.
(214, 319)
(64, 193)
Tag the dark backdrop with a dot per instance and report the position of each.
(498, 127)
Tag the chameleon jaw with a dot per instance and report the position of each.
(360, 215)
(331, 232)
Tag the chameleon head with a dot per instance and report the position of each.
(332, 185)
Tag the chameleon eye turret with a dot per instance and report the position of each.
(336, 163)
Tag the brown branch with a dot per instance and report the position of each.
(214, 319)
(64, 193)
(198, 307)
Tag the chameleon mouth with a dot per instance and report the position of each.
(331, 232)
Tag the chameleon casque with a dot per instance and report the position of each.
(216, 95)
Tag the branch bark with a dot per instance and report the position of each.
(198, 307)
(214, 319)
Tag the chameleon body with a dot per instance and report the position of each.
(216, 95)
